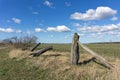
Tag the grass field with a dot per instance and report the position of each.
(102, 49)
(55, 64)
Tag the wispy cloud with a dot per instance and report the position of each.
(81, 34)
(9, 30)
(95, 14)
(76, 24)
(68, 4)
(39, 30)
(18, 31)
(35, 13)
(60, 28)
(48, 3)
(16, 20)
(114, 18)
(28, 32)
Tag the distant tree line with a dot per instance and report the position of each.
(21, 42)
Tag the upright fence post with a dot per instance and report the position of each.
(75, 50)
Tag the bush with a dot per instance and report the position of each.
(22, 42)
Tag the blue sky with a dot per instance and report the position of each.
(55, 21)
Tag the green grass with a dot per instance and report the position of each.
(106, 49)
(57, 47)
(13, 69)
(102, 49)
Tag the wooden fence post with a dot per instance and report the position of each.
(35, 46)
(75, 50)
(98, 57)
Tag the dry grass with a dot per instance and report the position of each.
(59, 63)
(115, 73)
(54, 65)
(18, 54)
(60, 68)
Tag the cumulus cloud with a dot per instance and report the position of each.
(48, 3)
(110, 29)
(95, 14)
(61, 28)
(52, 29)
(6, 30)
(9, 30)
(99, 29)
(16, 20)
(38, 30)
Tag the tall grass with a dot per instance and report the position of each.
(55, 65)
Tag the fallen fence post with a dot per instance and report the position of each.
(100, 58)
(35, 46)
(75, 50)
(39, 52)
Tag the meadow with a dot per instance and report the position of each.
(102, 49)
(55, 64)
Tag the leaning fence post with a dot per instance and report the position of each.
(75, 50)
(35, 46)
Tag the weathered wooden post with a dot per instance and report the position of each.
(98, 57)
(39, 52)
(75, 50)
(35, 46)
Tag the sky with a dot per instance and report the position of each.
(55, 21)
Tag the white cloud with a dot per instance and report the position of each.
(48, 3)
(98, 14)
(114, 18)
(38, 30)
(16, 20)
(52, 29)
(9, 30)
(61, 28)
(35, 12)
(81, 34)
(114, 33)
(99, 29)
